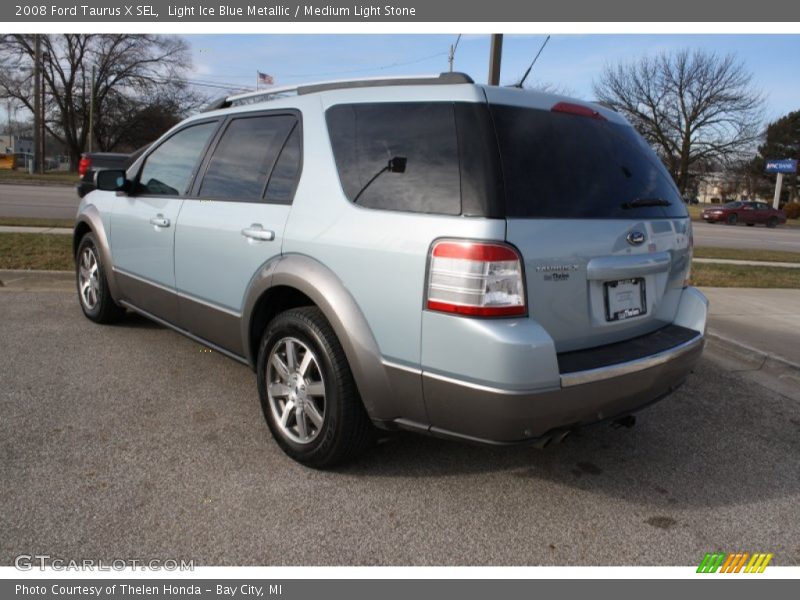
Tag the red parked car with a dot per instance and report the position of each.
(749, 213)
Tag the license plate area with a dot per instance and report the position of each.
(625, 299)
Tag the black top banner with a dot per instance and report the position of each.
(401, 11)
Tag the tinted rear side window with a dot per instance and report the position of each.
(567, 166)
(280, 189)
(366, 136)
(245, 156)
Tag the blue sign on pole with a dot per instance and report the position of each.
(783, 165)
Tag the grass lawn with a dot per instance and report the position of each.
(711, 275)
(36, 251)
(35, 222)
(52, 178)
(737, 254)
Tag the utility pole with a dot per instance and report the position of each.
(495, 54)
(91, 111)
(43, 134)
(37, 107)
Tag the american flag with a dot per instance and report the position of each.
(265, 78)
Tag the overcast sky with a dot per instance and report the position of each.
(570, 62)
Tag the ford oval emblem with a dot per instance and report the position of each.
(635, 238)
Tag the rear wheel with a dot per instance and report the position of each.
(93, 293)
(772, 222)
(732, 219)
(750, 224)
(308, 395)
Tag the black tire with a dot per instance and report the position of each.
(732, 219)
(750, 224)
(346, 430)
(104, 310)
(772, 222)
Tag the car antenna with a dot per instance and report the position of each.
(533, 62)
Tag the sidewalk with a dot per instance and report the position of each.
(764, 320)
(15, 229)
(752, 263)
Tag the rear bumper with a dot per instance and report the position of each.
(589, 386)
(493, 415)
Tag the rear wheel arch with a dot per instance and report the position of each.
(298, 280)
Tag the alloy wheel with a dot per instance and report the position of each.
(88, 278)
(296, 390)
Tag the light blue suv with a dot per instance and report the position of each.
(473, 262)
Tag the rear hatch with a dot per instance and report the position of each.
(603, 231)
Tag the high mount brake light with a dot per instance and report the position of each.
(580, 110)
(476, 279)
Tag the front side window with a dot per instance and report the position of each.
(245, 156)
(168, 170)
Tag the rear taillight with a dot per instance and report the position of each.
(577, 109)
(476, 279)
(83, 165)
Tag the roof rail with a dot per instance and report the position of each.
(311, 88)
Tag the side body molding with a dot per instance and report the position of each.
(90, 216)
(340, 308)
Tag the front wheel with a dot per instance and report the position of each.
(772, 222)
(90, 276)
(308, 395)
(732, 219)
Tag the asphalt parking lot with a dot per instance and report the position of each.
(129, 441)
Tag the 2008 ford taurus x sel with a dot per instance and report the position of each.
(476, 262)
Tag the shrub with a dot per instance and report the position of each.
(792, 210)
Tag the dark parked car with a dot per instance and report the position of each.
(92, 162)
(749, 213)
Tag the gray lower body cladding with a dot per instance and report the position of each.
(461, 410)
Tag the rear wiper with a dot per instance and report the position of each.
(642, 202)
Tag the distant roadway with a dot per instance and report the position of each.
(61, 202)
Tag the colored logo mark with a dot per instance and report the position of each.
(734, 563)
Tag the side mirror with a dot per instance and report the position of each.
(111, 180)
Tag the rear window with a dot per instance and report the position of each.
(568, 166)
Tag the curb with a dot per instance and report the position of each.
(767, 360)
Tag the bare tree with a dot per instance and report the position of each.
(131, 73)
(693, 107)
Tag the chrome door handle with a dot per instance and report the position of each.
(159, 221)
(257, 232)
